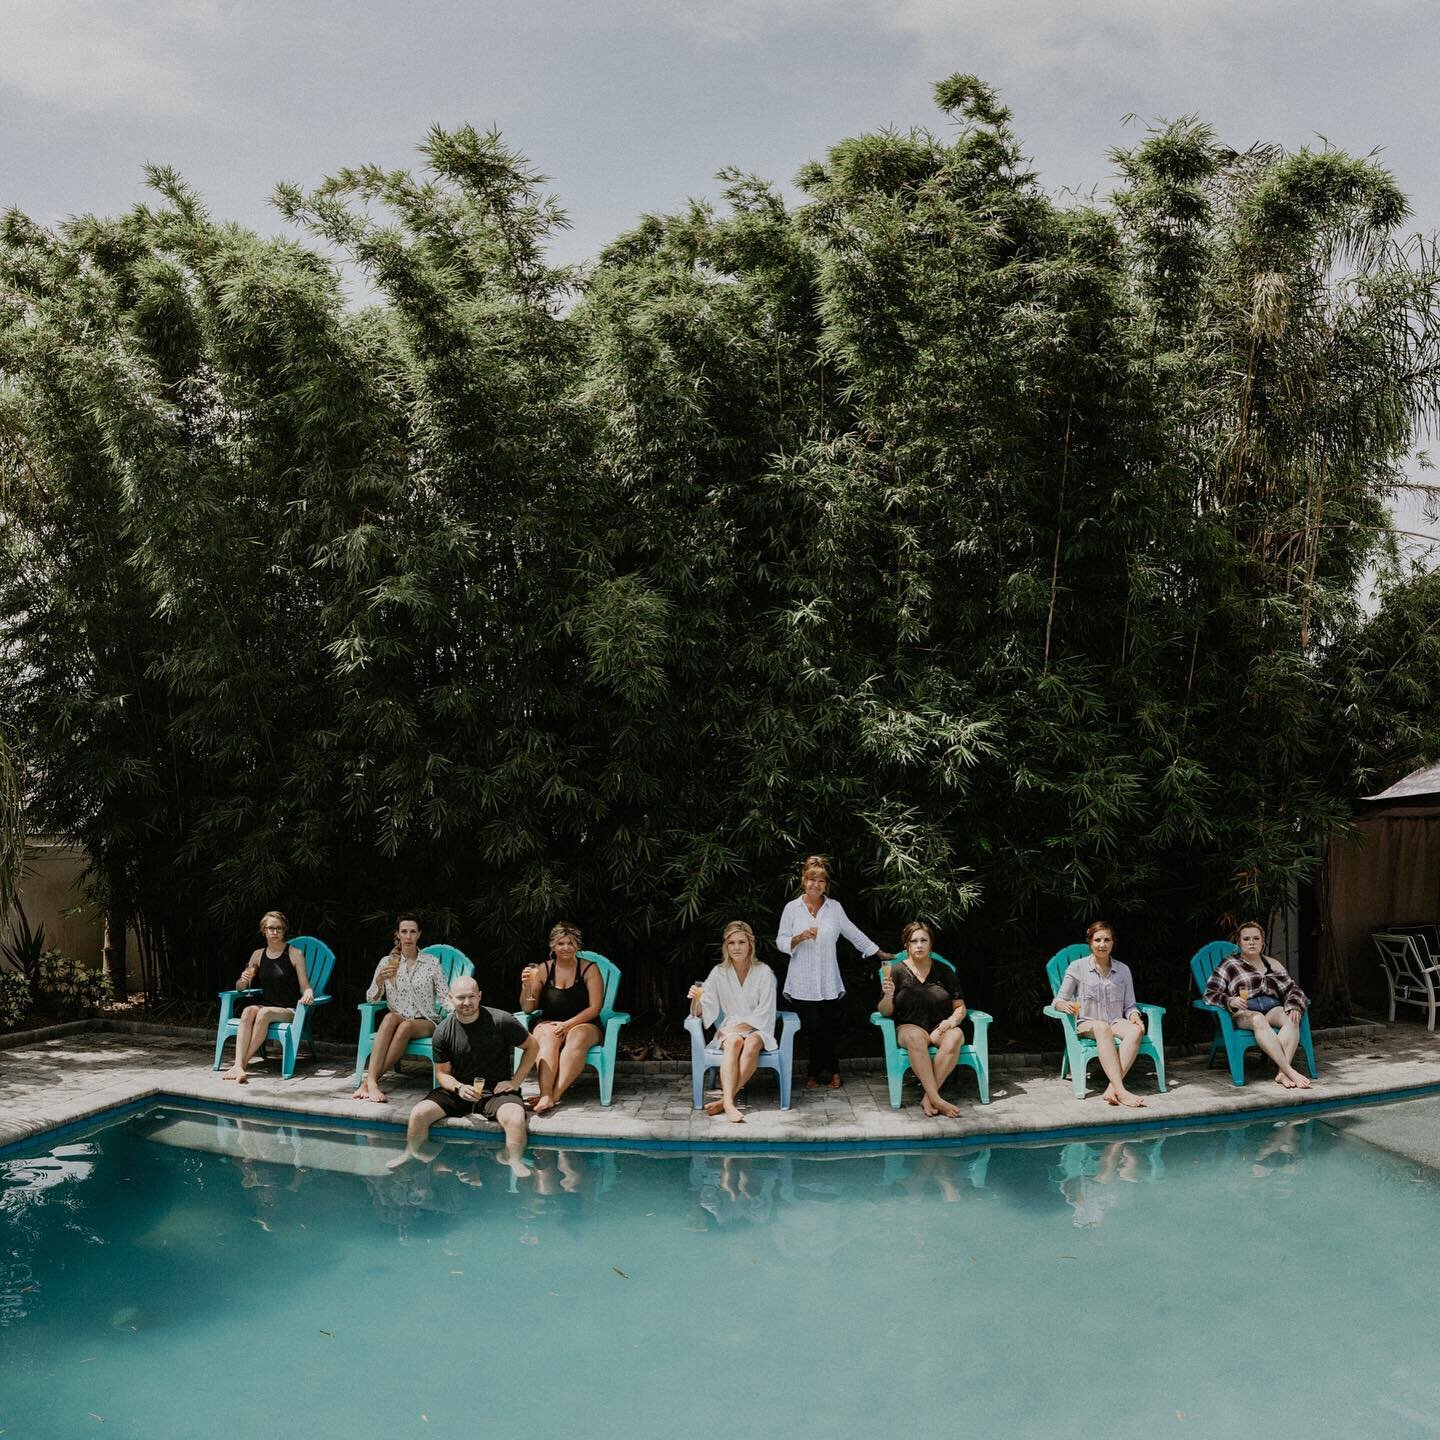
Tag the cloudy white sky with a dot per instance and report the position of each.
(632, 105)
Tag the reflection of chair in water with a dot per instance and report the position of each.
(741, 1187)
(1081, 1050)
(291, 1034)
(1203, 964)
(561, 1171)
(901, 1168)
(1086, 1171)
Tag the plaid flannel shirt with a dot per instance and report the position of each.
(1236, 974)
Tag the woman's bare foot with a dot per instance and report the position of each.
(1299, 1081)
(715, 1107)
(369, 1091)
(236, 1074)
(928, 1106)
(733, 1115)
(1109, 1096)
(947, 1109)
(1133, 1101)
(1285, 1081)
(543, 1106)
(836, 1082)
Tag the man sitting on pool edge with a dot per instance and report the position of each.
(469, 1046)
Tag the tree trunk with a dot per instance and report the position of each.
(114, 957)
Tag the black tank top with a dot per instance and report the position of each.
(564, 1003)
(277, 979)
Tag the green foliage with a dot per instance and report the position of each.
(71, 986)
(1005, 550)
(23, 951)
(14, 999)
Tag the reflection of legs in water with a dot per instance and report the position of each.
(1115, 1062)
(1262, 1027)
(916, 1041)
(1281, 1143)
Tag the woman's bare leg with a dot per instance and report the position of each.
(572, 1058)
(370, 1089)
(242, 1043)
(547, 1050)
(405, 1032)
(947, 1055)
(1286, 1075)
(1104, 1037)
(1289, 1032)
(260, 1026)
(917, 1045)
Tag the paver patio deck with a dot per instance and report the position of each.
(71, 1077)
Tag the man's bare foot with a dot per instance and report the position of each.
(733, 1115)
(544, 1105)
(517, 1166)
(715, 1107)
(1133, 1101)
(404, 1158)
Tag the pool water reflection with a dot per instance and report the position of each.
(167, 1271)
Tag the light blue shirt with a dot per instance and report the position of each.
(1102, 997)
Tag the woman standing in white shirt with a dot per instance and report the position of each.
(810, 928)
(740, 990)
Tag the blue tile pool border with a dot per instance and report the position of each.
(1137, 1129)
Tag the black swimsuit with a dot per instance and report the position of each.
(278, 982)
(564, 1002)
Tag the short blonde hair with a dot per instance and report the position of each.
(274, 915)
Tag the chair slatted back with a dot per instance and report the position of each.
(1206, 960)
(454, 963)
(1060, 962)
(319, 962)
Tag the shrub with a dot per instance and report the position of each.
(14, 999)
(70, 985)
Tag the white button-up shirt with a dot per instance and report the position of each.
(751, 1004)
(814, 970)
(418, 991)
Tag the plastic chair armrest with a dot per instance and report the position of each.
(1155, 1011)
(1213, 1009)
(526, 1017)
(321, 1000)
(980, 1019)
(373, 1006)
(696, 1031)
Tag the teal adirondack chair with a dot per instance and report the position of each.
(1203, 964)
(1081, 1050)
(291, 1034)
(897, 1059)
(601, 1056)
(455, 964)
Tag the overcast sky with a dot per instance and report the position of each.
(632, 105)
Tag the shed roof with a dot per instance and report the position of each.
(1425, 781)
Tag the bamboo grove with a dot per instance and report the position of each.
(1008, 550)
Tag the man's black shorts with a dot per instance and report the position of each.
(488, 1108)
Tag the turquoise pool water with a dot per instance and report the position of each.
(174, 1272)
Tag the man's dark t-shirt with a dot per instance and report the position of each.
(480, 1049)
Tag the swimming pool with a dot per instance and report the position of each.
(176, 1269)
